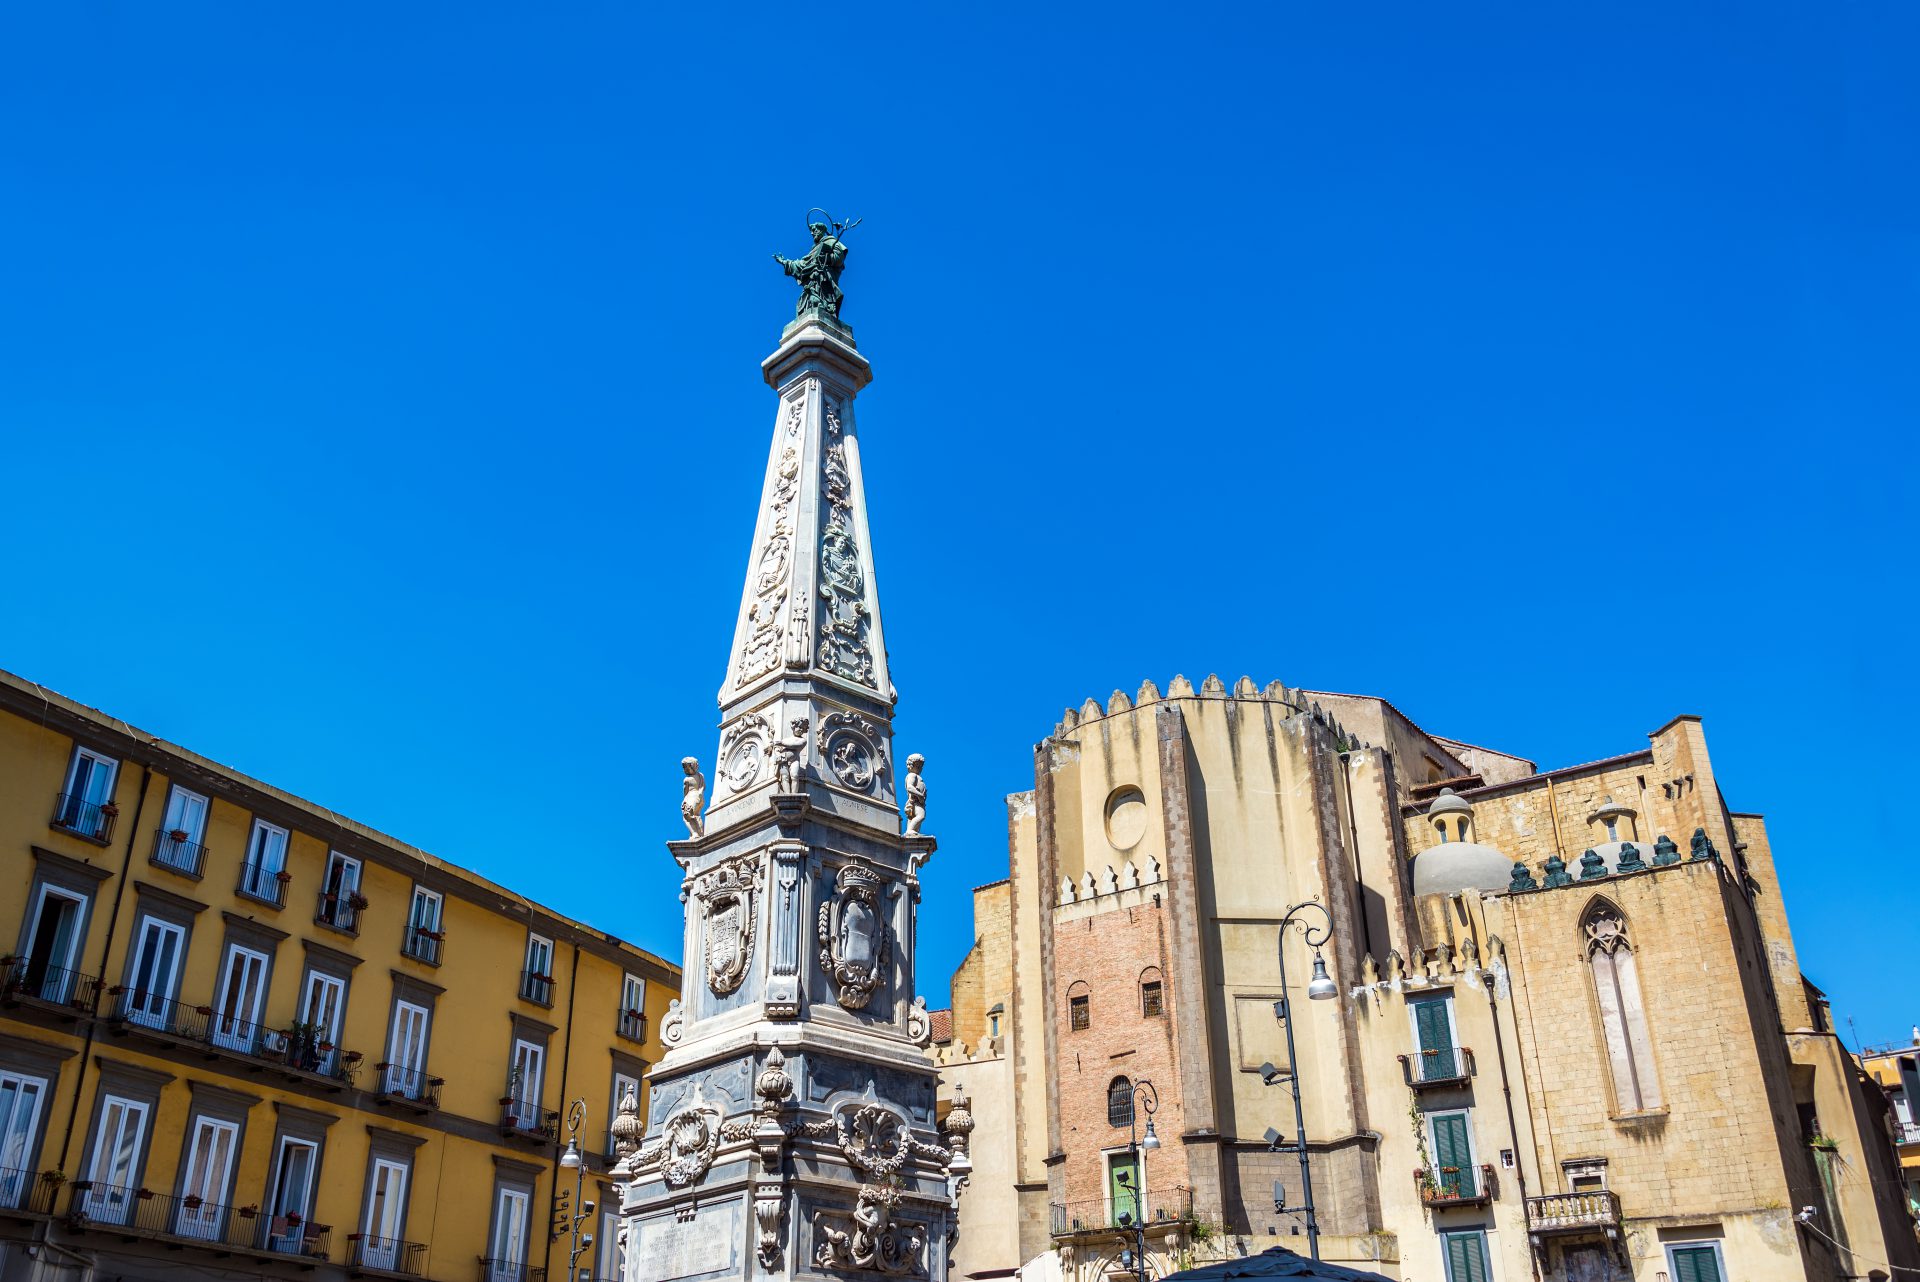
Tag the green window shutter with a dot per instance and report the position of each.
(1436, 1038)
(1695, 1264)
(1452, 1148)
(1467, 1257)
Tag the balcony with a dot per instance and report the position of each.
(409, 1087)
(86, 819)
(1596, 1211)
(189, 1221)
(69, 992)
(423, 944)
(493, 1270)
(264, 884)
(340, 911)
(175, 850)
(632, 1025)
(1167, 1209)
(1452, 1066)
(291, 1048)
(1906, 1132)
(385, 1255)
(525, 1119)
(536, 988)
(30, 1192)
(1455, 1185)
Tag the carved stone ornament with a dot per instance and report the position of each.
(673, 1025)
(850, 745)
(845, 647)
(726, 897)
(873, 1137)
(763, 647)
(693, 795)
(743, 753)
(869, 1239)
(854, 939)
(919, 1023)
(686, 1147)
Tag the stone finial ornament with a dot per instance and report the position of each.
(1522, 879)
(693, 796)
(959, 1127)
(916, 794)
(1556, 870)
(1592, 865)
(628, 1129)
(1630, 860)
(1665, 852)
(818, 270)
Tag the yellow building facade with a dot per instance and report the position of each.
(1897, 1070)
(243, 1035)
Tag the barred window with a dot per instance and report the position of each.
(1150, 999)
(1079, 1016)
(1120, 1102)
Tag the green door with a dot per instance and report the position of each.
(1123, 1187)
(1436, 1038)
(1453, 1156)
(1467, 1257)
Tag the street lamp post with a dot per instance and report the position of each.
(578, 1244)
(1135, 1144)
(1319, 988)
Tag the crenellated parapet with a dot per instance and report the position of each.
(1296, 702)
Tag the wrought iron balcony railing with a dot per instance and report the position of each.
(54, 985)
(632, 1025)
(29, 1191)
(340, 911)
(1165, 1208)
(410, 1084)
(268, 885)
(1446, 1067)
(423, 944)
(525, 1117)
(537, 988)
(93, 820)
(387, 1254)
(1455, 1185)
(175, 849)
(1584, 1212)
(498, 1270)
(119, 1209)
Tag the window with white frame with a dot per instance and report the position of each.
(55, 925)
(508, 1243)
(386, 1214)
(211, 1146)
(113, 1169)
(633, 1008)
(242, 993)
(524, 1084)
(1450, 1146)
(536, 984)
(183, 831)
(88, 794)
(340, 892)
(407, 1050)
(611, 1261)
(424, 931)
(266, 860)
(288, 1207)
(314, 1045)
(21, 1097)
(1466, 1255)
(1436, 1039)
(158, 947)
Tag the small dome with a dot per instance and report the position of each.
(1449, 802)
(1454, 866)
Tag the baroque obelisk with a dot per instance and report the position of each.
(791, 1131)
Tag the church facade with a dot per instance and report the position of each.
(1567, 1034)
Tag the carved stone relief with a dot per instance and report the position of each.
(853, 748)
(686, 1149)
(845, 647)
(869, 1238)
(726, 896)
(743, 753)
(855, 940)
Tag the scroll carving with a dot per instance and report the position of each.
(845, 647)
(854, 749)
(685, 1150)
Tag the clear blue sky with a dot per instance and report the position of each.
(380, 396)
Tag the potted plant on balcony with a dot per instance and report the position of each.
(191, 1201)
(54, 1178)
(356, 901)
(250, 1211)
(110, 810)
(283, 876)
(179, 835)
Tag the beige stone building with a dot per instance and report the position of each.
(1570, 1039)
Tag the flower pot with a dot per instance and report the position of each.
(283, 877)
(179, 835)
(145, 1195)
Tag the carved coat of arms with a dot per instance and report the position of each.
(726, 896)
(855, 942)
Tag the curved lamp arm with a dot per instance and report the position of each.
(1316, 935)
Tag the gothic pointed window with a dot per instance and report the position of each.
(1623, 1016)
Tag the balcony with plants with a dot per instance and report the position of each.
(175, 850)
(87, 820)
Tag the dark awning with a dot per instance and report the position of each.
(1274, 1262)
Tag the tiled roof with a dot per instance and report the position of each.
(942, 1023)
